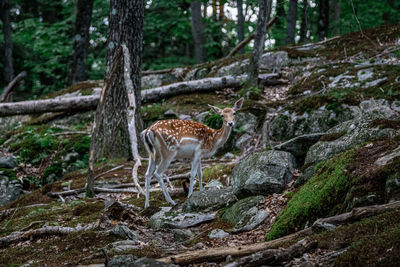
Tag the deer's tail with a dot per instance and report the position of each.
(148, 140)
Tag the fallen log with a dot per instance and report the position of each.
(219, 254)
(19, 236)
(84, 103)
(275, 256)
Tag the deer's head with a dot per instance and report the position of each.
(228, 114)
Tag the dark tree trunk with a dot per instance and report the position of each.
(197, 31)
(259, 39)
(221, 10)
(81, 41)
(304, 22)
(335, 17)
(50, 11)
(291, 22)
(240, 24)
(125, 27)
(8, 46)
(323, 19)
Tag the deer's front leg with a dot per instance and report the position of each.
(148, 176)
(200, 175)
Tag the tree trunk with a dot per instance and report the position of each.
(197, 31)
(221, 10)
(240, 24)
(215, 9)
(304, 22)
(125, 27)
(291, 22)
(335, 17)
(259, 39)
(8, 46)
(323, 19)
(81, 41)
(279, 29)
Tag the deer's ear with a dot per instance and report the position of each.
(216, 110)
(238, 104)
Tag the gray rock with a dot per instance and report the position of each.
(145, 262)
(156, 80)
(200, 117)
(228, 155)
(180, 220)
(122, 261)
(274, 60)
(318, 226)
(124, 245)
(170, 113)
(235, 69)
(245, 122)
(196, 74)
(306, 175)
(9, 190)
(299, 145)
(243, 141)
(184, 117)
(124, 232)
(182, 234)
(209, 200)
(263, 173)
(71, 157)
(251, 219)
(7, 162)
(218, 234)
(214, 184)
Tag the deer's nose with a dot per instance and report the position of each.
(231, 123)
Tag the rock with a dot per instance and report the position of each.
(71, 157)
(125, 245)
(209, 200)
(245, 215)
(185, 117)
(7, 162)
(246, 122)
(288, 125)
(217, 234)
(156, 80)
(214, 184)
(122, 261)
(170, 219)
(196, 74)
(318, 226)
(170, 114)
(124, 232)
(263, 173)
(274, 60)
(236, 68)
(201, 116)
(9, 190)
(145, 262)
(228, 155)
(299, 145)
(306, 175)
(243, 141)
(355, 131)
(182, 234)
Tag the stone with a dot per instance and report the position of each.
(166, 218)
(305, 175)
(7, 162)
(201, 117)
(209, 200)
(263, 173)
(228, 155)
(9, 190)
(251, 220)
(123, 232)
(146, 262)
(182, 234)
(125, 245)
(274, 60)
(299, 145)
(243, 141)
(213, 184)
(185, 117)
(71, 157)
(170, 114)
(122, 261)
(246, 122)
(217, 234)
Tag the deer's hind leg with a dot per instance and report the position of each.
(149, 174)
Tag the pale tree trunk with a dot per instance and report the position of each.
(304, 22)
(197, 31)
(8, 46)
(291, 22)
(335, 17)
(259, 39)
(81, 41)
(323, 19)
(240, 24)
(125, 27)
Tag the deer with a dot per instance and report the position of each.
(169, 140)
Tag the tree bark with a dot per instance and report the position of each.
(304, 22)
(323, 19)
(81, 41)
(278, 31)
(259, 39)
(335, 17)
(8, 46)
(4, 97)
(240, 24)
(197, 31)
(125, 27)
(291, 22)
(84, 103)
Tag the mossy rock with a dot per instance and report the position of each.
(209, 200)
(235, 213)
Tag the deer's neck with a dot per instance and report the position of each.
(222, 135)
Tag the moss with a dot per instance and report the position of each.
(332, 136)
(85, 87)
(10, 173)
(82, 146)
(217, 172)
(55, 168)
(320, 196)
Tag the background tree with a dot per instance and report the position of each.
(240, 23)
(291, 22)
(278, 31)
(259, 40)
(81, 41)
(125, 27)
(304, 22)
(323, 19)
(8, 45)
(197, 31)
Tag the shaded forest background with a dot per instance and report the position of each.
(43, 33)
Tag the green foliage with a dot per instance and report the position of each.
(213, 120)
(9, 173)
(82, 146)
(320, 196)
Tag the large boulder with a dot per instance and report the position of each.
(10, 190)
(263, 173)
(209, 200)
(7, 162)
